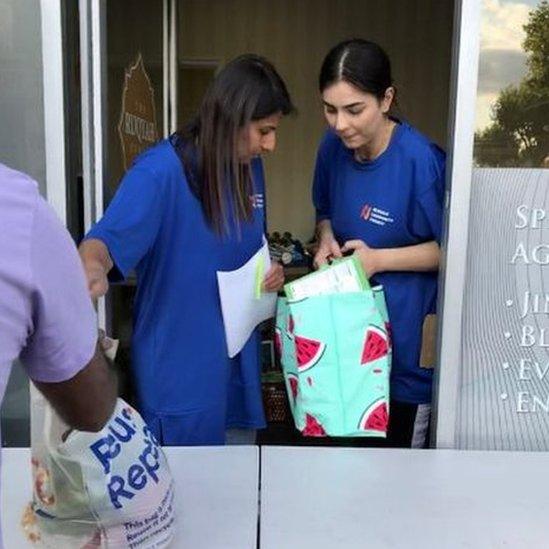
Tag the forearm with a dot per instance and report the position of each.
(95, 255)
(324, 230)
(86, 401)
(419, 258)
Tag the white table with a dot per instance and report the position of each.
(216, 497)
(347, 498)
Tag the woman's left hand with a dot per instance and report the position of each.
(274, 279)
(369, 257)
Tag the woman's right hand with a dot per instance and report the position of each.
(97, 263)
(328, 249)
(98, 284)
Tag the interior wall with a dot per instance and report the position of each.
(133, 27)
(295, 35)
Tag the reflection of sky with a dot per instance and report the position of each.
(531, 3)
(502, 59)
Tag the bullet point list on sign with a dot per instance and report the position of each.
(507, 335)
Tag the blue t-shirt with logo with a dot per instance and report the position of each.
(188, 390)
(392, 201)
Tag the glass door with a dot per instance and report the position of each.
(493, 391)
(125, 89)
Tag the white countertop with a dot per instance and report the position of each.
(216, 496)
(338, 498)
(355, 498)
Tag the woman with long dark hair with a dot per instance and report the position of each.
(378, 192)
(189, 207)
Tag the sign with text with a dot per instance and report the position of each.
(504, 388)
(137, 126)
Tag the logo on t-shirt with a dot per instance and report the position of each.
(257, 201)
(375, 215)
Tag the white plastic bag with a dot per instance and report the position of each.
(111, 489)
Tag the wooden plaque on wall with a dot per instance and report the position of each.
(137, 127)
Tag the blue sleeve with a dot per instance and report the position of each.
(428, 205)
(132, 220)
(321, 182)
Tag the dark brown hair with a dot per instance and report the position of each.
(359, 62)
(246, 89)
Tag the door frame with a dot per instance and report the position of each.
(93, 63)
(459, 167)
(54, 105)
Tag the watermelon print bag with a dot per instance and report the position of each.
(335, 352)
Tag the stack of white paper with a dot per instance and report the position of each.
(342, 276)
(242, 309)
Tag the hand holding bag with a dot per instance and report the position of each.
(110, 489)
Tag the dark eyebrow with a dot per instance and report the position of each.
(349, 106)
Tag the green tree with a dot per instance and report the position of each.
(537, 44)
(519, 133)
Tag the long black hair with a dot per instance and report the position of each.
(359, 62)
(248, 88)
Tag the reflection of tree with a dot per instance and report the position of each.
(519, 133)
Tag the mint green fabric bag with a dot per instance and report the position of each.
(335, 352)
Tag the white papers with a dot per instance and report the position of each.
(342, 276)
(242, 310)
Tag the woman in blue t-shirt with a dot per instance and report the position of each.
(190, 206)
(378, 192)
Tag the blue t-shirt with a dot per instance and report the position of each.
(393, 201)
(188, 390)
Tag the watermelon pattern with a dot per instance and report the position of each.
(361, 358)
(293, 382)
(375, 418)
(312, 427)
(376, 345)
(308, 352)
